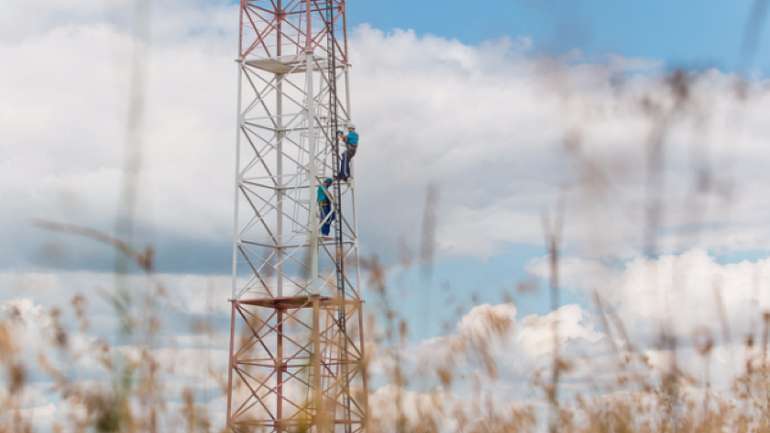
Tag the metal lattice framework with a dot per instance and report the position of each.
(296, 334)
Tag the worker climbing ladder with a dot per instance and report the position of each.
(338, 208)
(296, 336)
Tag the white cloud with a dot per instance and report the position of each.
(389, 403)
(685, 294)
(575, 327)
(189, 357)
(485, 123)
(494, 346)
(189, 294)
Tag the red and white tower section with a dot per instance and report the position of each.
(296, 358)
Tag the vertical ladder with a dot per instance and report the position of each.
(334, 126)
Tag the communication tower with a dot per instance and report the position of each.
(296, 357)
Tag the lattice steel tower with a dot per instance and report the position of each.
(296, 333)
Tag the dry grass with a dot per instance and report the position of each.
(133, 394)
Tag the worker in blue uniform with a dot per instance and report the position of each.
(325, 206)
(351, 145)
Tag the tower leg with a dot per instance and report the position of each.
(317, 356)
(279, 372)
(231, 364)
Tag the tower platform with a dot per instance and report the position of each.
(289, 64)
(296, 302)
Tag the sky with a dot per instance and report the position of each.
(685, 33)
(509, 110)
